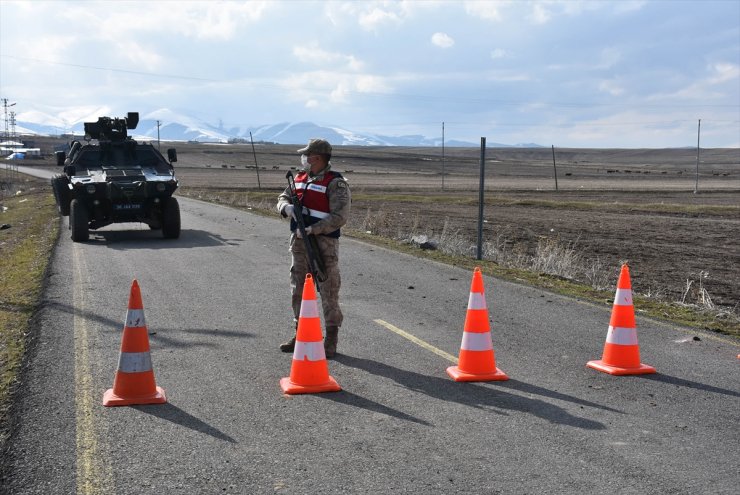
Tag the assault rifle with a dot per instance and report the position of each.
(315, 262)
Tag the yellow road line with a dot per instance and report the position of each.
(93, 469)
(417, 340)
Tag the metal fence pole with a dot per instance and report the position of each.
(554, 167)
(480, 196)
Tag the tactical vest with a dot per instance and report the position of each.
(313, 197)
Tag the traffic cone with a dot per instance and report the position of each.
(134, 381)
(621, 350)
(309, 373)
(477, 362)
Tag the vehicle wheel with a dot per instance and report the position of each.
(60, 186)
(171, 218)
(78, 221)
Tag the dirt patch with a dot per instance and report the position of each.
(664, 249)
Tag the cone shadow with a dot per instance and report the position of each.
(175, 415)
(470, 394)
(528, 388)
(354, 400)
(674, 380)
(159, 335)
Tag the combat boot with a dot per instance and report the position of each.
(330, 342)
(289, 346)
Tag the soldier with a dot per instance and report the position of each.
(326, 196)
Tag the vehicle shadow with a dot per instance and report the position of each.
(174, 414)
(152, 239)
(473, 395)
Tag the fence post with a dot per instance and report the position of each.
(480, 196)
(554, 167)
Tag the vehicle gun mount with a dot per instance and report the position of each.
(111, 129)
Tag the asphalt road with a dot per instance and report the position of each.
(217, 307)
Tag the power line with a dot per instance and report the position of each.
(405, 96)
(111, 69)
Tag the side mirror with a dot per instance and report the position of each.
(172, 155)
(61, 156)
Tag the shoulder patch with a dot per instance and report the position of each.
(341, 184)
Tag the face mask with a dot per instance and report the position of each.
(304, 161)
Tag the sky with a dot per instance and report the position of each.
(616, 74)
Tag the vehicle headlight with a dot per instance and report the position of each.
(90, 188)
(160, 187)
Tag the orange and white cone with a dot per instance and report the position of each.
(134, 382)
(309, 373)
(477, 361)
(621, 351)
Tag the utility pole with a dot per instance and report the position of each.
(698, 135)
(6, 134)
(158, 124)
(256, 167)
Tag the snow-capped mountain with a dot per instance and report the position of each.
(173, 126)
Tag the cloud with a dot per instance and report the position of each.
(316, 57)
(611, 88)
(371, 16)
(724, 72)
(142, 57)
(324, 87)
(719, 84)
(489, 11)
(498, 53)
(376, 18)
(442, 40)
(539, 14)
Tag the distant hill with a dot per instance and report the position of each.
(180, 127)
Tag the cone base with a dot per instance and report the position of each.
(461, 376)
(600, 365)
(294, 388)
(111, 399)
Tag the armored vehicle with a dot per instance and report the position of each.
(116, 180)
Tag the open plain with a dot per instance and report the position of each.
(610, 206)
(678, 229)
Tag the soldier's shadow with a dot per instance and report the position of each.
(474, 395)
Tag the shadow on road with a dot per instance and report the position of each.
(166, 337)
(351, 399)
(470, 394)
(177, 416)
(152, 239)
(673, 380)
(528, 388)
(166, 340)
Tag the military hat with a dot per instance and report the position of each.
(318, 146)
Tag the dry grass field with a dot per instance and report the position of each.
(611, 206)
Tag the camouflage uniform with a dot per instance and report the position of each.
(338, 195)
